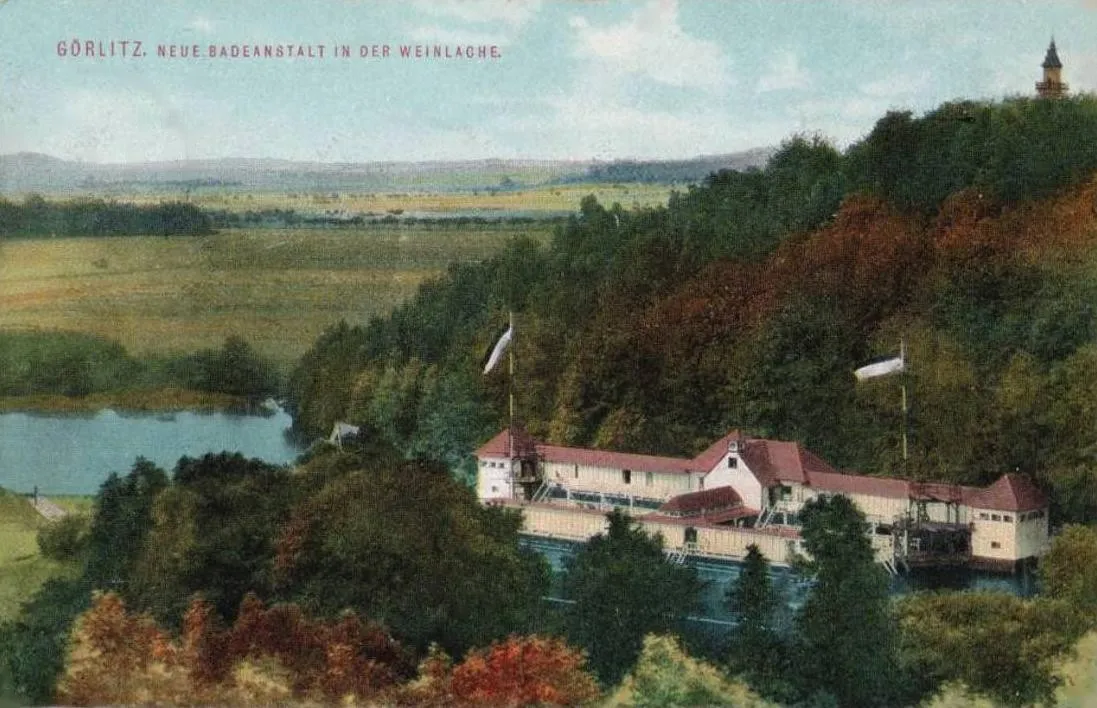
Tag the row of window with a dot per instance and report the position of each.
(1027, 516)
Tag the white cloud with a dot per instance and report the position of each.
(785, 74)
(516, 13)
(201, 24)
(653, 44)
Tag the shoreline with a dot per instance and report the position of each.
(162, 400)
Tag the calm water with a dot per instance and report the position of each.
(718, 575)
(73, 454)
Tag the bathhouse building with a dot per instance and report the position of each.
(743, 490)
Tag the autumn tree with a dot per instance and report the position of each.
(524, 671)
(118, 658)
(623, 587)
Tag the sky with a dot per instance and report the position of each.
(573, 79)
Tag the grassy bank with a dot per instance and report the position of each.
(139, 401)
(277, 288)
(22, 567)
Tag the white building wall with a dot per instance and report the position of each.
(493, 479)
(579, 525)
(656, 485)
(994, 534)
(739, 478)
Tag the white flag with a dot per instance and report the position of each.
(882, 367)
(497, 351)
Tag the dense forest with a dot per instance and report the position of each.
(747, 301)
(36, 217)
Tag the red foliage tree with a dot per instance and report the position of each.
(524, 671)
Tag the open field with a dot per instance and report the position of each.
(277, 288)
(549, 199)
(22, 568)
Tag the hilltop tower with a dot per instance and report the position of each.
(1052, 86)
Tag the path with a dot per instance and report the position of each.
(46, 508)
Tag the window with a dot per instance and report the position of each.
(494, 490)
(1007, 517)
(786, 492)
(733, 462)
(995, 517)
(626, 476)
(649, 478)
(995, 544)
(483, 463)
(576, 474)
(983, 516)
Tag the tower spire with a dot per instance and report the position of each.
(1052, 85)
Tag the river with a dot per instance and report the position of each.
(73, 454)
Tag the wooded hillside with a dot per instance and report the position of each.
(747, 301)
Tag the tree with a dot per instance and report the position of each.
(524, 671)
(118, 658)
(32, 647)
(123, 517)
(213, 531)
(847, 634)
(665, 675)
(404, 543)
(623, 587)
(1069, 570)
(757, 649)
(65, 539)
(999, 645)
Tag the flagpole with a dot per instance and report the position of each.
(903, 362)
(510, 387)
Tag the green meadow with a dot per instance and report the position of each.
(277, 288)
(22, 567)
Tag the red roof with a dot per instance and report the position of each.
(1011, 492)
(715, 452)
(717, 499)
(498, 447)
(859, 484)
(771, 461)
(774, 461)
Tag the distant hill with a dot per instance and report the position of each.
(33, 172)
(673, 171)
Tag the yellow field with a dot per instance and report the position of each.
(540, 199)
(278, 288)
